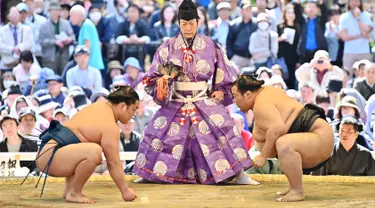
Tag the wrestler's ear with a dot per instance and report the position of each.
(248, 94)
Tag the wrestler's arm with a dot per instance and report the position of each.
(110, 146)
(270, 119)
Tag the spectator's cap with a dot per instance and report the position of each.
(262, 17)
(357, 64)
(75, 89)
(131, 61)
(223, 5)
(102, 93)
(54, 4)
(306, 84)
(60, 110)
(14, 90)
(114, 65)
(5, 118)
(118, 80)
(26, 111)
(46, 103)
(81, 49)
(349, 101)
(321, 54)
(246, 4)
(334, 85)
(54, 77)
(22, 7)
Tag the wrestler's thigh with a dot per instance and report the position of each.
(68, 157)
(308, 145)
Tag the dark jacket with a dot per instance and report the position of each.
(319, 32)
(238, 39)
(159, 32)
(140, 29)
(104, 30)
(364, 89)
(26, 146)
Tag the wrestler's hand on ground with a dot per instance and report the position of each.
(129, 195)
(259, 161)
(219, 95)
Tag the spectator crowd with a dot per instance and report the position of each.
(57, 57)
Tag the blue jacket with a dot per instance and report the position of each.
(238, 39)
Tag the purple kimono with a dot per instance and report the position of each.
(190, 141)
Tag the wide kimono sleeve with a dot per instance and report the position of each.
(226, 74)
(151, 77)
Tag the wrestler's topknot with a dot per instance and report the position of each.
(248, 82)
(124, 94)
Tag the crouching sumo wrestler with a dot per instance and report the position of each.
(298, 135)
(73, 149)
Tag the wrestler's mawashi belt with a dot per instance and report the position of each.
(63, 136)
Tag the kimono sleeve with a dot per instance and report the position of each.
(151, 77)
(226, 74)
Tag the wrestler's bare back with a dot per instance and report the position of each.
(286, 106)
(91, 122)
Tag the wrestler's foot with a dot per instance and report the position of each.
(292, 196)
(78, 198)
(282, 193)
(243, 179)
(66, 191)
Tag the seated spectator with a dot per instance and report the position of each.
(34, 100)
(99, 96)
(263, 42)
(307, 92)
(93, 78)
(60, 115)
(322, 100)
(10, 97)
(360, 100)
(348, 107)
(246, 135)
(27, 126)
(142, 115)
(114, 69)
(349, 158)
(55, 84)
(264, 73)
(7, 79)
(359, 70)
(47, 107)
(129, 138)
(367, 86)
(319, 72)
(133, 75)
(26, 69)
(14, 142)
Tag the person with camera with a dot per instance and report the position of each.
(319, 71)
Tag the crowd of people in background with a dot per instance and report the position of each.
(57, 57)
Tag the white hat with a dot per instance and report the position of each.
(223, 5)
(46, 103)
